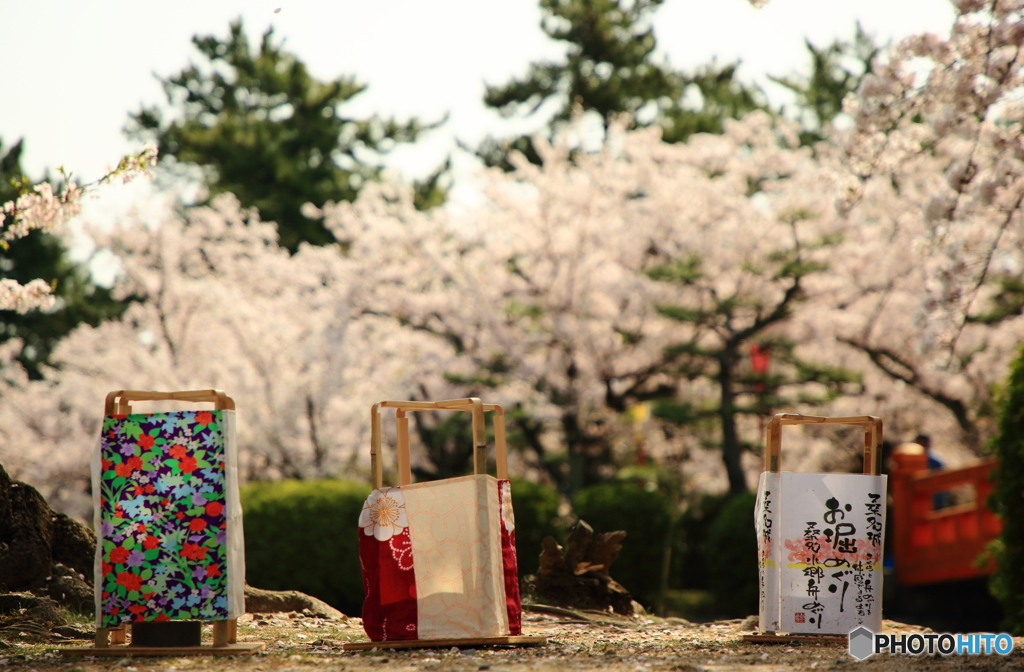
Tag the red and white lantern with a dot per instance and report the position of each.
(439, 558)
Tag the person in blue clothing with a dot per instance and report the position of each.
(925, 442)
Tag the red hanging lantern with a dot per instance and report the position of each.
(760, 361)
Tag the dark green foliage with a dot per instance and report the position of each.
(693, 526)
(608, 65)
(645, 516)
(610, 69)
(1008, 301)
(683, 271)
(730, 554)
(1007, 499)
(304, 535)
(722, 96)
(41, 255)
(536, 512)
(267, 131)
(447, 439)
(717, 558)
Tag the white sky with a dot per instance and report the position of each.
(72, 70)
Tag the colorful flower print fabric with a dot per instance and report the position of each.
(167, 499)
(439, 561)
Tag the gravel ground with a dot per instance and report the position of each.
(587, 642)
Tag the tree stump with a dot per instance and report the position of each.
(578, 578)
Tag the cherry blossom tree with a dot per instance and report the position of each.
(217, 304)
(543, 294)
(892, 249)
(926, 285)
(40, 207)
(537, 296)
(537, 300)
(741, 269)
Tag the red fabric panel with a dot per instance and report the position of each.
(510, 565)
(389, 582)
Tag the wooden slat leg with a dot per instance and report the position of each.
(119, 636)
(102, 638)
(225, 632)
(220, 633)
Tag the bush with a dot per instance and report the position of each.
(536, 512)
(730, 556)
(303, 535)
(645, 517)
(693, 529)
(1008, 581)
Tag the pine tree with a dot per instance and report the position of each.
(610, 68)
(726, 332)
(267, 131)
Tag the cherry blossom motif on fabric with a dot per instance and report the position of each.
(383, 514)
(401, 550)
(389, 581)
(162, 517)
(509, 560)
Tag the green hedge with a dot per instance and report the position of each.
(536, 512)
(693, 527)
(730, 556)
(1008, 499)
(303, 535)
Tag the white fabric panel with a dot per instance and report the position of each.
(455, 533)
(235, 536)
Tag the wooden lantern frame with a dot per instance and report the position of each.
(114, 641)
(477, 408)
(773, 462)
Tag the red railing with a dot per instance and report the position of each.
(941, 524)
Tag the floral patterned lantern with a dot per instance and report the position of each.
(167, 513)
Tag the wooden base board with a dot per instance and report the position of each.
(771, 638)
(514, 640)
(127, 651)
